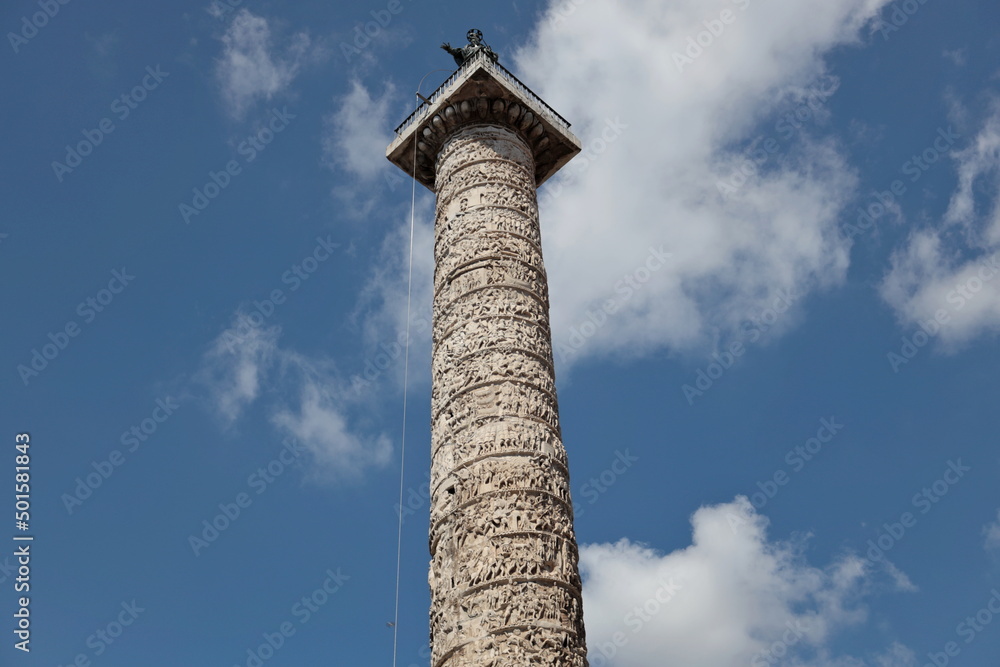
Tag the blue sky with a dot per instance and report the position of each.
(775, 304)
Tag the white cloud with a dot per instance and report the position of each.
(235, 365)
(979, 162)
(218, 10)
(356, 133)
(321, 425)
(305, 398)
(896, 655)
(732, 597)
(954, 266)
(991, 535)
(687, 125)
(251, 68)
(669, 137)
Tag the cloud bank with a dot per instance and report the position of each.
(668, 100)
(731, 598)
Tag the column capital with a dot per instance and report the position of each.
(482, 92)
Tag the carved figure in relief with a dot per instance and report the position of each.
(510, 534)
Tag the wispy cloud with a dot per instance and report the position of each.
(236, 364)
(252, 67)
(357, 132)
(953, 266)
(305, 397)
(991, 535)
(320, 424)
(958, 57)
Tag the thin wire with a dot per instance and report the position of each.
(406, 373)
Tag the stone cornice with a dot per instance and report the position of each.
(481, 96)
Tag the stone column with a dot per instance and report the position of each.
(504, 577)
(505, 584)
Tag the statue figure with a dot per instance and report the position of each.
(475, 45)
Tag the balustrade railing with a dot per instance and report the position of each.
(498, 70)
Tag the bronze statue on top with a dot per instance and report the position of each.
(475, 45)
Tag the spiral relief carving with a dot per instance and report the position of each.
(504, 576)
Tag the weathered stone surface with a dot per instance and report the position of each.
(504, 576)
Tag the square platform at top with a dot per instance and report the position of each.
(482, 92)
